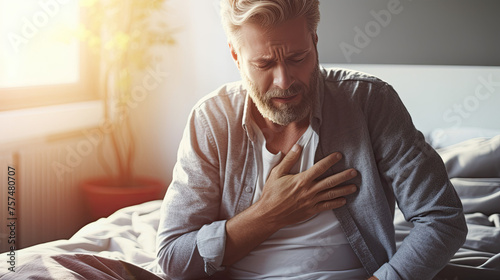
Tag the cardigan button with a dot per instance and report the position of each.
(248, 189)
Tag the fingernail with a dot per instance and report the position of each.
(295, 148)
(338, 155)
(354, 173)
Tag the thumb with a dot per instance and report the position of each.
(286, 164)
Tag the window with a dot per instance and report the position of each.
(40, 62)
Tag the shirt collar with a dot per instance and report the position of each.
(318, 100)
(247, 118)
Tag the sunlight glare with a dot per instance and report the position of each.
(33, 51)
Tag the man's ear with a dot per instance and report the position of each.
(234, 54)
(315, 38)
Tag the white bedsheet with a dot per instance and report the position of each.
(128, 235)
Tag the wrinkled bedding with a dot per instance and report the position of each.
(122, 246)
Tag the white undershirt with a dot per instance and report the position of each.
(313, 249)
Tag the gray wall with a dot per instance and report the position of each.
(429, 32)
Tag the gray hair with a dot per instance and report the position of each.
(266, 13)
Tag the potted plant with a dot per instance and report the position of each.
(123, 33)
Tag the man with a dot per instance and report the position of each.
(263, 163)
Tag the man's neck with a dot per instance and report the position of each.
(279, 138)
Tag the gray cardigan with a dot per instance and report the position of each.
(356, 114)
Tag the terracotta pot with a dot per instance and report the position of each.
(104, 196)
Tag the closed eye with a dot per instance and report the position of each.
(263, 65)
(297, 60)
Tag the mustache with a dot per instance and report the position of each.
(294, 89)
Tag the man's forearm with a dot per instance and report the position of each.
(244, 232)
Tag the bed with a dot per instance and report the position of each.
(122, 246)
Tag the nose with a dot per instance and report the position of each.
(282, 76)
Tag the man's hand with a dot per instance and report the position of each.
(289, 199)
(286, 199)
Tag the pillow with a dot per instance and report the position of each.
(443, 137)
(474, 158)
(479, 195)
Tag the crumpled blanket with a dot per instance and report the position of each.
(122, 246)
(77, 266)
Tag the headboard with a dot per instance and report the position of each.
(437, 32)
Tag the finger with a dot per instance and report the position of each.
(322, 166)
(330, 204)
(288, 161)
(335, 193)
(334, 180)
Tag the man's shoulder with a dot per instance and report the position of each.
(339, 75)
(223, 107)
(230, 94)
(345, 86)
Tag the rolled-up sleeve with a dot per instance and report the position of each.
(190, 239)
(211, 242)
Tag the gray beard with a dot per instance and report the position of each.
(287, 113)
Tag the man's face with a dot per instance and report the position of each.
(279, 68)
